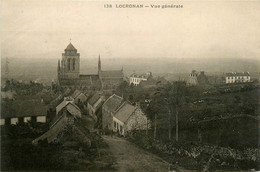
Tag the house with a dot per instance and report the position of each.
(94, 104)
(237, 77)
(197, 78)
(64, 103)
(78, 96)
(66, 117)
(23, 111)
(120, 116)
(136, 79)
(128, 118)
(108, 110)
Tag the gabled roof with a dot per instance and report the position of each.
(23, 108)
(73, 109)
(113, 102)
(94, 99)
(112, 74)
(70, 47)
(125, 111)
(62, 104)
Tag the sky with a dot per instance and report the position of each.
(214, 29)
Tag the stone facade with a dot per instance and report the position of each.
(65, 118)
(108, 110)
(128, 118)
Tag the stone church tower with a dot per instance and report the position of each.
(69, 67)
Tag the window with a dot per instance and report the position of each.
(68, 64)
(115, 124)
(73, 64)
(121, 128)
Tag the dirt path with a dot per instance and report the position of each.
(131, 158)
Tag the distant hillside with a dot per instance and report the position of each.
(45, 70)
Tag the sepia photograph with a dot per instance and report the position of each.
(130, 86)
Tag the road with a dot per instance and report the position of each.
(131, 158)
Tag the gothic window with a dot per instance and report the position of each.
(73, 64)
(68, 64)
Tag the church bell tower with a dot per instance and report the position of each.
(70, 62)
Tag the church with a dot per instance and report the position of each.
(69, 73)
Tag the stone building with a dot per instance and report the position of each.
(66, 117)
(136, 79)
(128, 118)
(237, 77)
(23, 111)
(108, 110)
(120, 116)
(69, 73)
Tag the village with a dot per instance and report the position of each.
(199, 122)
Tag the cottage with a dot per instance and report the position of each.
(108, 110)
(66, 117)
(64, 103)
(22, 111)
(129, 117)
(79, 97)
(74, 110)
(94, 104)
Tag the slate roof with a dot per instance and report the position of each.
(113, 102)
(23, 108)
(125, 111)
(70, 47)
(238, 74)
(112, 74)
(73, 109)
(94, 99)
(76, 112)
(63, 104)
